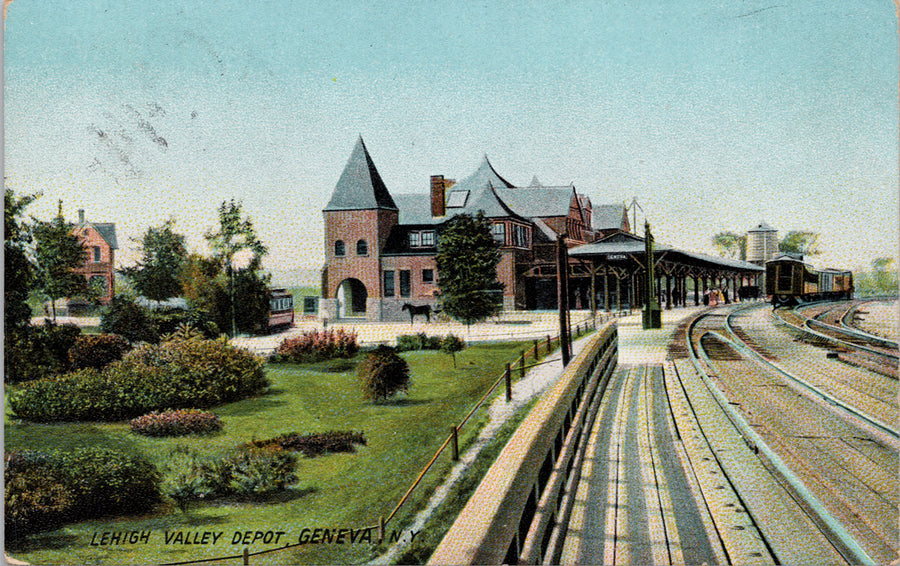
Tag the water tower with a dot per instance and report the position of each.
(762, 243)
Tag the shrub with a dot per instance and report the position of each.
(452, 344)
(383, 374)
(190, 477)
(36, 352)
(259, 471)
(312, 445)
(97, 350)
(46, 489)
(170, 375)
(128, 319)
(317, 345)
(176, 423)
(420, 341)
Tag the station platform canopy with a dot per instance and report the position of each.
(627, 251)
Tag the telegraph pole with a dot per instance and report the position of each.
(652, 316)
(562, 292)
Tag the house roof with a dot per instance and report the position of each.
(542, 202)
(107, 231)
(607, 216)
(360, 186)
(415, 209)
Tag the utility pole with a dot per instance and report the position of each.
(652, 316)
(562, 292)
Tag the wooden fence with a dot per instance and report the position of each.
(540, 349)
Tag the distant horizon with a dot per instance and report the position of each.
(715, 117)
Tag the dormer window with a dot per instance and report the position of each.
(362, 248)
(414, 240)
(339, 250)
(428, 238)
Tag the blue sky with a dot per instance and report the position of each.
(715, 114)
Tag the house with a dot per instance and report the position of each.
(380, 248)
(99, 240)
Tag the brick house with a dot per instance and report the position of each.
(380, 248)
(99, 239)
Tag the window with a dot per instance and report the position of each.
(362, 248)
(388, 283)
(339, 248)
(499, 232)
(96, 254)
(428, 238)
(404, 283)
(519, 236)
(457, 199)
(427, 276)
(414, 239)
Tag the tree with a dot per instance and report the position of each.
(383, 374)
(235, 235)
(881, 280)
(800, 242)
(452, 344)
(467, 262)
(157, 275)
(18, 271)
(59, 252)
(731, 245)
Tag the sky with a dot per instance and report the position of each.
(715, 114)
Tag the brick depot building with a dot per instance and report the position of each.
(380, 248)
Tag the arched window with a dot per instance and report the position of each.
(362, 248)
(339, 248)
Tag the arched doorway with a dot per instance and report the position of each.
(351, 298)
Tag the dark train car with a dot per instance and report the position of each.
(789, 282)
(281, 310)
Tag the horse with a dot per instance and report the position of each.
(416, 310)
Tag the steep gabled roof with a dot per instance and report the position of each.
(489, 203)
(360, 186)
(608, 216)
(415, 209)
(107, 231)
(483, 177)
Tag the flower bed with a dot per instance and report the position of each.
(312, 445)
(176, 423)
(317, 345)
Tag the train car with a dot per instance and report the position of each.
(281, 310)
(790, 281)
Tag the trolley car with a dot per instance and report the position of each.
(281, 310)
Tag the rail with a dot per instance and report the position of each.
(834, 530)
(540, 348)
(516, 513)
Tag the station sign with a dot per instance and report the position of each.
(616, 257)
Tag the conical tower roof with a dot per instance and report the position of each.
(360, 186)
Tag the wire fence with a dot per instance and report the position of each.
(540, 349)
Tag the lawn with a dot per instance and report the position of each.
(335, 491)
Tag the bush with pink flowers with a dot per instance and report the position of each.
(176, 423)
(317, 345)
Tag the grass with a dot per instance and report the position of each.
(334, 491)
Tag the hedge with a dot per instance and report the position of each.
(171, 375)
(317, 345)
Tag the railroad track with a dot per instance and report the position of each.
(828, 327)
(825, 435)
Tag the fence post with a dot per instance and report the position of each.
(380, 529)
(536, 348)
(455, 442)
(246, 556)
(508, 377)
(549, 345)
(522, 366)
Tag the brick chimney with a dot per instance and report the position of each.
(81, 216)
(438, 207)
